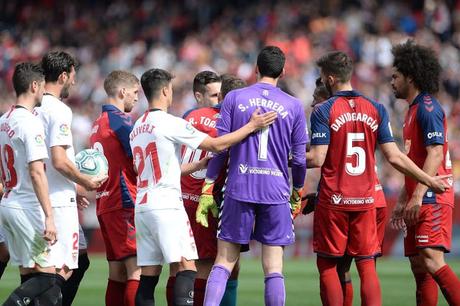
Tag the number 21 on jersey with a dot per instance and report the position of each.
(148, 157)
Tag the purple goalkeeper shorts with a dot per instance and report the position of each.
(270, 224)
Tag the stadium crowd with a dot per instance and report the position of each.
(186, 37)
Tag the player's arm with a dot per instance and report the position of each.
(1, 191)
(40, 185)
(405, 165)
(257, 121)
(397, 216)
(189, 168)
(67, 168)
(316, 156)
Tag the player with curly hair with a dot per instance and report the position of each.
(428, 216)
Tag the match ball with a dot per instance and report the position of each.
(92, 162)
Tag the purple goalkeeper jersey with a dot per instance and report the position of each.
(258, 166)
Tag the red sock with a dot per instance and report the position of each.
(114, 296)
(130, 292)
(170, 290)
(347, 290)
(199, 289)
(449, 284)
(329, 283)
(370, 285)
(427, 290)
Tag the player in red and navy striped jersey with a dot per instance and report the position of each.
(116, 197)
(345, 217)
(428, 216)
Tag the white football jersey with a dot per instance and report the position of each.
(57, 121)
(22, 140)
(156, 141)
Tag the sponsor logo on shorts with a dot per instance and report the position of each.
(422, 238)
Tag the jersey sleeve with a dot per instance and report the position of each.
(59, 129)
(319, 121)
(299, 139)
(224, 124)
(34, 141)
(384, 131)
(183, 132)
(122, 126)
(216, 164)
(431, 119)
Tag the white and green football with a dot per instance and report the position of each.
(92, 162)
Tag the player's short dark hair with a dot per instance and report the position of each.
(118, 78)
(419, 63)
(54, 63)
(321, 89)
(270, 62)
(154, 80)
(338, 64)
(204, 78)
(24, 74)
(229, 83)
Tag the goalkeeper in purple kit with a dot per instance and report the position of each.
(258, 197)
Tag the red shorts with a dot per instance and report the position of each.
(119, 233)
(433, 230)
(381, 213)
(337, 232)
(205, 237)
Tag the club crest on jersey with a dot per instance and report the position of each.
(336, 198)
(243, 168)
(64, 129)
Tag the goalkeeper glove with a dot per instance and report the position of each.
(308, 203)
(295, 201)
(206, 203)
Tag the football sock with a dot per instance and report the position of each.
(146, 291)
(115, 293)
(198, 294)
(2, 268)
(275, 293)
(70, 287)
(329, 283)
(449, 284)
(347, 290)
(34, 287)
(130, 292)
(215, 286)
(427, 290)
(170, 290)
(183, 288)
(52, 296)
(370, 285)
(230, 294)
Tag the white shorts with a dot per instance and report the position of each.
(163, 236)
(23, 229)
(65, 251)
(82, 245)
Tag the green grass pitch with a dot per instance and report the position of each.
(302, 287)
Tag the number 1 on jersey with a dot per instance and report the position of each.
(263, 143)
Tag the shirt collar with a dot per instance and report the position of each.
(347, 93)
(417, 99)
(110, 108)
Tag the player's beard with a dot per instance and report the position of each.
(65, 91)
(402, 92)
(329, 88)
